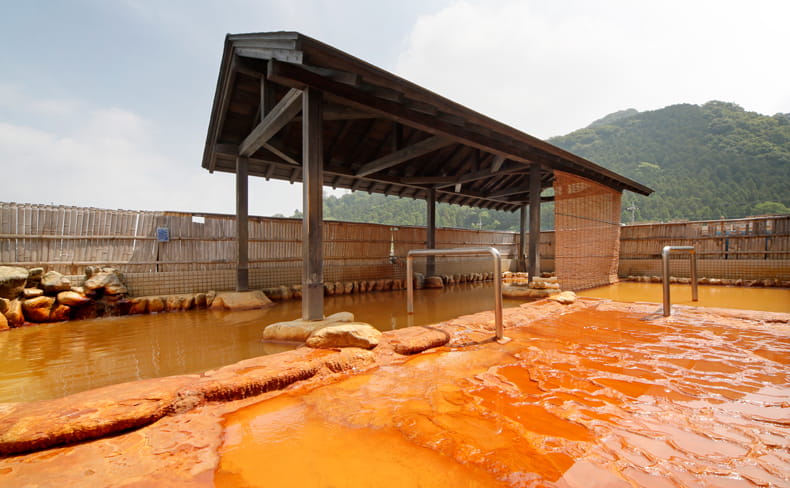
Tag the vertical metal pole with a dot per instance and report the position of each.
(665, 278)
(409, 285)
(312, 201)
(242, 229)
(498, 293)
(522, 240)
(430, 231)
(534, 221)
(694, 294)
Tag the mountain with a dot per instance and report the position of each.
(703, 162)
(363, 207)
(614, 117)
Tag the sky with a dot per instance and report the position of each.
(105, 103)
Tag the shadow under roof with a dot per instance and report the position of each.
(380, 133)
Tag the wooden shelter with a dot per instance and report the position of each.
(292, 108)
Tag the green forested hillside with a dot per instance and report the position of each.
(703, 162)
(362, 207)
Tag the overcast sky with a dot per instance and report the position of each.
(106, 103)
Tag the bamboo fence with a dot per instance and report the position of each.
(753, 248)
(200, 253)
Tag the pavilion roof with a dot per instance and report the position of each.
(380, 133)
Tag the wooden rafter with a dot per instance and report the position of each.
(281, 114)
(401, 156)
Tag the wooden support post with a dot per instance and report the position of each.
(242, 229)
(312, 202)
(430, 231)
(534, 221)
(521, 261)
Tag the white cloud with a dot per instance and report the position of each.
(551, 67)
(109, 159)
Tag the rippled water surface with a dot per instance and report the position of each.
(588, 399)
(744, 298)
(54, 360)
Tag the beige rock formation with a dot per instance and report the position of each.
(565, 297)
(240, 300)
(72, 299)
(107, 279)
(12, 281)
(352, 334)
(433, 282)
(299, 330)
(38, 309)
(53, 282)
(14, 313)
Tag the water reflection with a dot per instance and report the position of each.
(589, 398)
(54, 360)
(766, 299)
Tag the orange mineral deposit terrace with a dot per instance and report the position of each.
(595, 393)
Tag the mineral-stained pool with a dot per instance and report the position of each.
(589, 398)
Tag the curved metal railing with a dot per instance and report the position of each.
(665, 273)
(460, 252)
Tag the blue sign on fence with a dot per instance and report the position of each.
(163, 234)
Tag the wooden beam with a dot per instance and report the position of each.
(533, 257)
(312, 206)
(341, 112)
(443, 181)
(430, 232)
(521, 260)
(242, 228)
(497, 164)
(401, 156)
(292, 75)
(281, 114)
(513, 190)
(282, 154)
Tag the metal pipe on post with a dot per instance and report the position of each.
(497, 258)
(665, 252)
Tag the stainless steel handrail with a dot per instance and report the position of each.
(460, 252)
(665, 272)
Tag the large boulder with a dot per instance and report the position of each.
(53, 282)
(565, 298)
(413, 340)
(353, 334)
(38, 309)
(32, 293)
(59, 313)
(515, 291)
(240, 300)
(156, 305)
(104, 281)
(72, 299)
(278, 293)
(34, 279)
(12, 281)
(138, 305)
(14, 313)
(4, 323)
(299, 330)
(433, 282)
